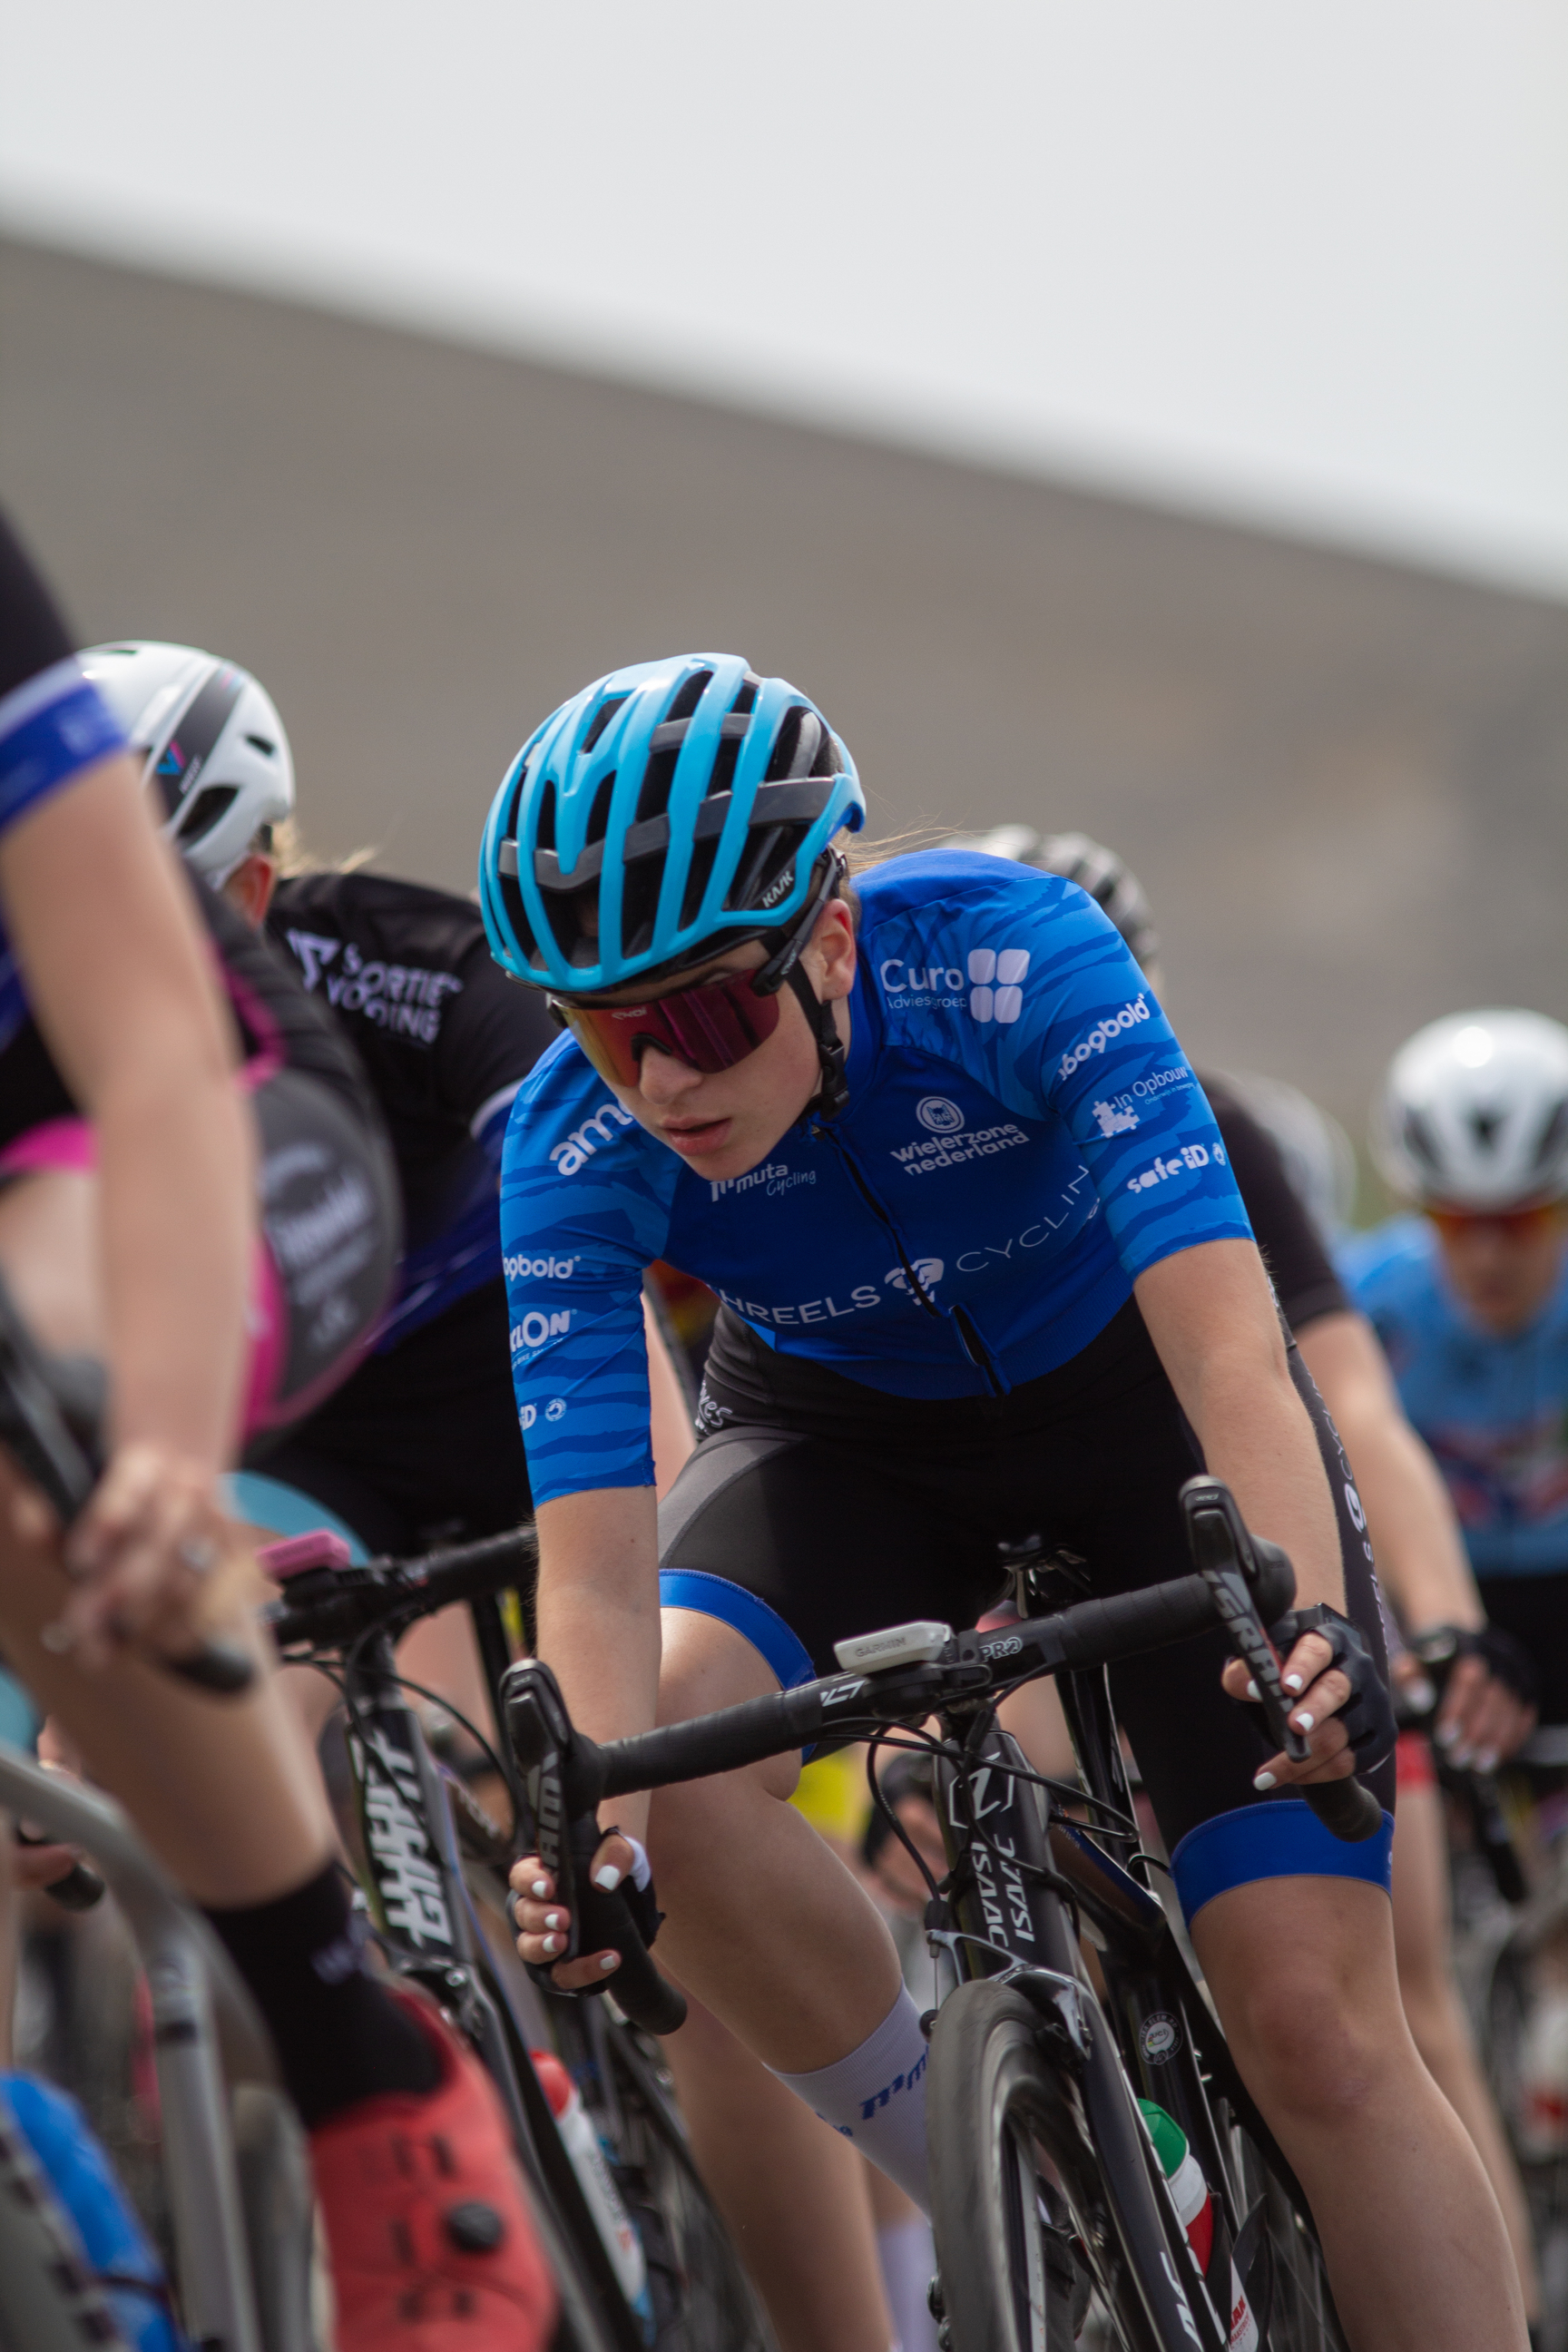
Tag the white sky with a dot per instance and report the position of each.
(1303, 264)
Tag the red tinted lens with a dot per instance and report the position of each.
(1514, 1225)
(709, 1028)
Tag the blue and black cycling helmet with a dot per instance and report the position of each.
(668, 811)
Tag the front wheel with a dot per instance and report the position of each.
(1040, 2184)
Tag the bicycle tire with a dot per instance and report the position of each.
(1287, 2282)
(703, 2299)
(998, 2100)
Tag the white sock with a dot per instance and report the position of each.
(877, 2097)
(908, 2258)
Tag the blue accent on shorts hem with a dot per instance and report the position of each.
(715, 1596)
(1282, 1838)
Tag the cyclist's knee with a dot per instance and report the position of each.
(694, 1825)
(1309, 2041)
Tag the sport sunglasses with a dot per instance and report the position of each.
(717, 1022)
(709, 1028)
(1514, 1225)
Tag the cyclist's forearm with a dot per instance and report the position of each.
(598, 1614)
(1211, 1315)
(119, 977)
(177, 1210)
(1420, 1557)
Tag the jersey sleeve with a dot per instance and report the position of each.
(53, 723)
(584, 1208)
(1057, 1017)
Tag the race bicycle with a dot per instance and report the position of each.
(1068, 2028)
(643, 2262)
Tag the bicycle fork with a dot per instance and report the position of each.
(1011, 1926)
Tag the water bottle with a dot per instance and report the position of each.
(1194, 2210)
(598, 2182)
(1543, 2118)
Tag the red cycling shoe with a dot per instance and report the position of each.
(431, 2246)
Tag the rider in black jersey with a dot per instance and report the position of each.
(421, 1442)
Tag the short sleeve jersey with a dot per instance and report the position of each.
(1493, 1410)
(54, 725)
(445, 1038)
(1023, 1136)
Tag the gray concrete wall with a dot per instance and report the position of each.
(1344, 784)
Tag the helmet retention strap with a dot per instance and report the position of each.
(824, 1027)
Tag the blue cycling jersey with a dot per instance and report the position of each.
(1023, 1135)
(1493, 1410)
(52, 727)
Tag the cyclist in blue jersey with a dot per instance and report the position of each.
(985, 1274)
(1470, 1297)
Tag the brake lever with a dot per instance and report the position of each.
(562, 1779)
(1223, 1553)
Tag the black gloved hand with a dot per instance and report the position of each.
(1368, 1713)
(1441, 1646)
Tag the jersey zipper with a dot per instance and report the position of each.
(969, 1338)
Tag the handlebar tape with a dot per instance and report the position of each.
(744, 1734)
(1344, 1807)
(360, 1601)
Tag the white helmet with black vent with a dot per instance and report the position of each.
(217, 754)
(1113, 885)
(1474, 1113)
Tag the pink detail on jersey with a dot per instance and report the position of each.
(59, 1143)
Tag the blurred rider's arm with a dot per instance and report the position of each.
(104, 936)
(1410, 1518)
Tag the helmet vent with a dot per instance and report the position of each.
(658, 777)
(267, 750)
(213, 803)
(689, 694)
(545, 835)
(803, 747)
(1485, 1126)
(1419, 1139)
(599, 814)
(601, 719)
(698, 876)
(746, 693)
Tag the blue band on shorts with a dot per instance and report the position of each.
(715, 1596)
(1281, 1839)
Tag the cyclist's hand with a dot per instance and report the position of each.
(1481, 1719)
(1338, 1698)
(542, 1923)
(153, 1559)
(1316, 1690)
(36, 1866)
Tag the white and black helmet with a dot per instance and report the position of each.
(1474, 1113)
(216, 754)
(1113, 885)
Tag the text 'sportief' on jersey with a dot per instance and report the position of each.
(1494, 1411)
(1023, 1129)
